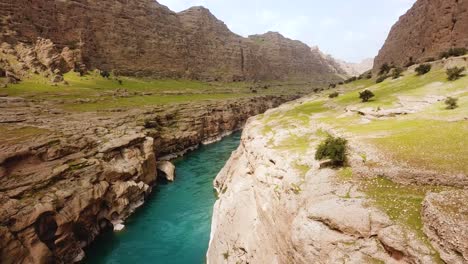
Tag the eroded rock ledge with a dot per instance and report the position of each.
(270, 210)
(83, 173)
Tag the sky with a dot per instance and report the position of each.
(351, 30)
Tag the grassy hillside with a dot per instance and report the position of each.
(406, 127)
(93, 92)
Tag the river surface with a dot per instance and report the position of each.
(173, 226)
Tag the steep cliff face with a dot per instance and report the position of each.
(399, 199)
(144, 38)
(427, 29)
(63, 181)
(271, 210)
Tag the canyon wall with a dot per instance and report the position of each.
(270, 210)
(71, 180)
(144, 38)
(429, 28)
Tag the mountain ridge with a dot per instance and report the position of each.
(146, 38)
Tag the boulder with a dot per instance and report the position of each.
(167, 169)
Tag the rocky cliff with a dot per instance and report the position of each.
(144, 38)
(427, 29)
(401, 198)
(63, 181)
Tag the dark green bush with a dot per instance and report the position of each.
(333, 148)
(455, 73)
(397, 73)
(381, 78)
(423, 69)
(451, 103)
(366, 95)
(333, 95)
(384, 69)
(332, 85)
(105, 74)
(352, 79)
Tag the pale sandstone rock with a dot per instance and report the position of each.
(267, 212)
(168, 170)
(445, 218)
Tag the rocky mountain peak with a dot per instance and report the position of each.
(429, 28)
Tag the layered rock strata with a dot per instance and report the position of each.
(70, 180)
(144, 38)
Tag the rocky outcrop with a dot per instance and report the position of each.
(427, 29)
(167, 169)
(269, 211)
(69, 180)
(144, 38)
(445, 217)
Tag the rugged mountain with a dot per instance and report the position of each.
(144, 38)
(355, 69)
(427, 29)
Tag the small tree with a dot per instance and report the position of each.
(366, 95)
(333, 148)
(451, 103)
(333, 95)
(384, 69)
(397, 72)
(105, 74)
(423, 69)
(455, 73)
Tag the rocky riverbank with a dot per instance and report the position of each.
(66, 176)
(401, 199)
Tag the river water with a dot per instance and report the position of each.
(173, 226)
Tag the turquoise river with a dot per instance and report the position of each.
(173, 226)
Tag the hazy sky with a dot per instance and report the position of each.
(347, 29)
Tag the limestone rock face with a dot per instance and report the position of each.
(427, 29)
(269, 212)
(144, 38)
(445, 217)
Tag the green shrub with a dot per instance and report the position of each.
(397, 72)
(333, 148)
(381, 78)
(352, 79)
(451, 103)
(369, 75)
(453, 52)
(455, 73)
(384, 69)
(366, 95)
(105, 74)
(333, 95)
(423, 69)
(332, 85)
